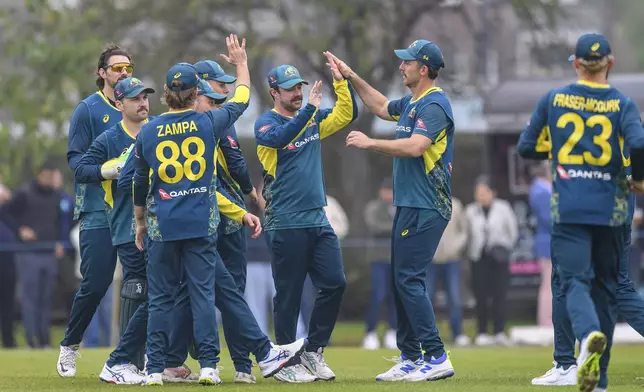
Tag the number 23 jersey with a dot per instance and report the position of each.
(584, 127)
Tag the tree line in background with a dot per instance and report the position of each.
(49, 56)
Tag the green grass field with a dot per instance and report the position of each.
(477, 369)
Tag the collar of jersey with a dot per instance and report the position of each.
(127, 131)
(274, 110)
(429, 91)
(593, 84)
(178, 111)
(107, 101)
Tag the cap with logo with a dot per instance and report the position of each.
(426, 52)
(211, 70)
(285, 76)
(184, 73)
(130, 88)
(204, 89)
(591, 46)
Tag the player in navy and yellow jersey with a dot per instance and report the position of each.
(299, 235)
(588, 123)
(91, 117)
(177, 207)
(423, 152)
(101, 164)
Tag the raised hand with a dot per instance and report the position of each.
(341, 66)
(315, 95)
(236, 52)
(358, 139)
(337, 75)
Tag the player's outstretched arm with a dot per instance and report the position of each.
(373, 99)
(238, 214)
(270, 133)
(345, 110)
(80, 135)
(235, 162)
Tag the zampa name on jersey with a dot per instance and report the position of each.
(584, 174)
(182, 192)
(303, 142)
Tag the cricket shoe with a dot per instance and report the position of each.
(557, 376)
(66, 365)
(153, 379)
(209, 376)
(315, 363)
(180, 374)
(280, 357)
(295, 374)
(435, 369)
(403, 367)
(244, 378)
(590, 351)
(123, 374)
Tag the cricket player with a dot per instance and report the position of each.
(588, 123)
(101, 164)
(423, 152)
(92, 117)
(242, 333)
(299, 235)
(179, 213)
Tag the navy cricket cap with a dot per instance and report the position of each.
(130, 88)
(203, 88)
(184, 73)
(426, 52)
(591, 46)
(284, 76)
(210, 70)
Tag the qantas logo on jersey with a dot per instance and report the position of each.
(303, 142)
(233, 142)
(420, 124)
(263, 128)
(183, 192)
(583, 174)
(401, 128)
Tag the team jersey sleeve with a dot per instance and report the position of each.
(432, 122)
(343, 113)
(235, 163)
(230, 209)
(124, 182)
(80, 135)
(88, 169)
(632, 126)
(141, 178)
(226, 115)
(270, 133)
(396, 107)
(534, 142)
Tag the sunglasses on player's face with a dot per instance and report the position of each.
(120, 67)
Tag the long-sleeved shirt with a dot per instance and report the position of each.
(181, 191)
(289, 150)
(584, 126)
(497, 227)
(114, 143)
(92, 116)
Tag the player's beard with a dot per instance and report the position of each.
(113, 84)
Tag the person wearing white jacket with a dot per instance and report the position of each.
(493, 233)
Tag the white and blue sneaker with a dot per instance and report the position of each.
(123, 374)
(402, 368)
(280, 357)
(435, 369)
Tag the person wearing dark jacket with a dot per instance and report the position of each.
(34, 214)
(7, 276)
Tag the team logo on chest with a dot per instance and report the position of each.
(106, 118)
(412, 112)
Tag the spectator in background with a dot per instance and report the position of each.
(35, 213)
(493, 233)
(67, 282)
(7, 275)
(446, 267)
(379, 216)
(540, 193)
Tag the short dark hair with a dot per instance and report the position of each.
(50, 164)
(110, 50)
(486, 180)
(432, 73)
(183, 99)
